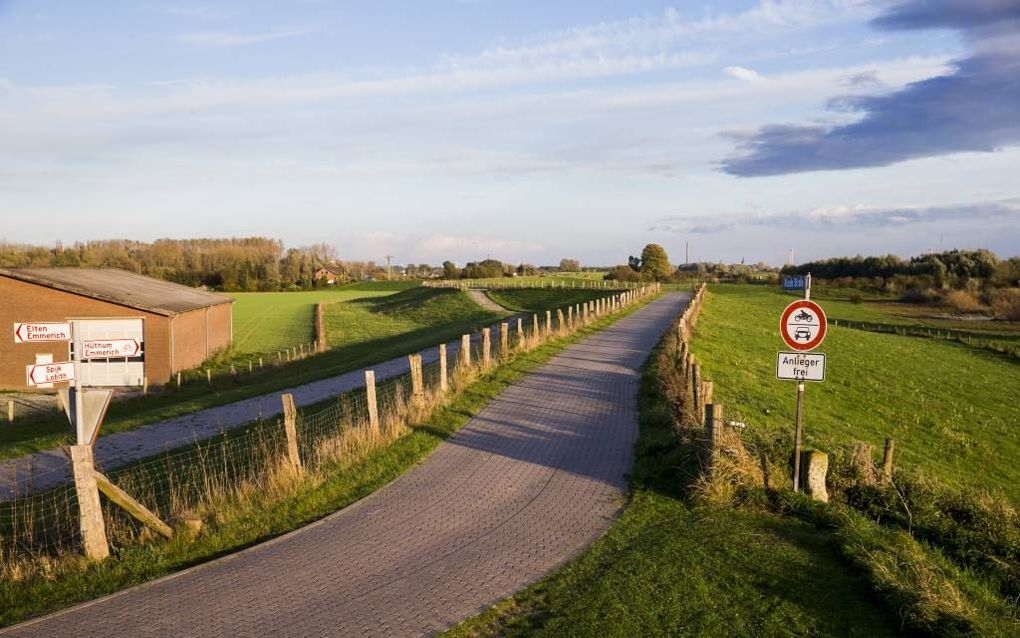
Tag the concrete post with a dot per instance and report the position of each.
(814, 466)
(373, 407)
(10, 411)
(570, 317)
(548, 323)
(486, 347)
(504, 340)
(90, 513)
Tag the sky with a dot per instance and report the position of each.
(523, 131)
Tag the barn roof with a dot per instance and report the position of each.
(120, 287)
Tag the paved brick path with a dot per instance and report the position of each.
(526, 485)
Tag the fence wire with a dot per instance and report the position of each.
(178, 482)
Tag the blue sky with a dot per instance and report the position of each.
(526, 131)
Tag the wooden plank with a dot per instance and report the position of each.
(131, 506)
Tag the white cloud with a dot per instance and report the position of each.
(229, 39)
(743, 73)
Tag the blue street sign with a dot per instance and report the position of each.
(793, 283)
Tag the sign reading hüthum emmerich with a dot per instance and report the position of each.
(803, 325)
(109, 348)
(48, 331)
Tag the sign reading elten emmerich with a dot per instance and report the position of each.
(800, 366)
(109, 348)
(31, 332)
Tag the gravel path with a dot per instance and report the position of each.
(523, 487)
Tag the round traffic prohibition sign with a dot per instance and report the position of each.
(803, 325)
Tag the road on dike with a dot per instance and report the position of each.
(523, 487)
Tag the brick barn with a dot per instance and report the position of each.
(183, 326)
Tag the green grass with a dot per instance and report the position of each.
(135, 564)
(542, 299)
(952, 409)
(669, 568)
(266, 322)
(414, 317)
(367, 331)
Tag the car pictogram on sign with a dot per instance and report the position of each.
(803, 325)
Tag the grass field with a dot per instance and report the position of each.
(266, 322)
(542, 299)
(669, 568)
(951, 408)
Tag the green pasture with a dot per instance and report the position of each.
(266, 322)
(416, 319)
(951, 408)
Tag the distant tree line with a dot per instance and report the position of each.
(949, 269)
(235, 264)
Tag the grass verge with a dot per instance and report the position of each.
(670, 566)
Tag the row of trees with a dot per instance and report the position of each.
(235, 264)
(953, 268)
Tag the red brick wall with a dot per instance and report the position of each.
(22, 302)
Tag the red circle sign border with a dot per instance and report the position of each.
(823, 325)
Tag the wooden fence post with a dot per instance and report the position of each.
(548, 323)
(444, 383)
(178, 380)
(10, 411)
(486, 347)
(504, 340)
(561, 329)
(570, 317)
(290, 427)
(521, 343)
(90, 513)
(417, 379)
(887, 461)
(208, 376)
(373, 407)
(713, 419)
(535, 334)
(321, 340)
(697, 399)
(465, 351)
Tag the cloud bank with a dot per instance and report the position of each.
(975, 107)
(845, 218)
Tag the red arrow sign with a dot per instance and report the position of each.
(29, 332)
(109, 348)
(49, 373)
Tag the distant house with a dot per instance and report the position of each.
(330, 276)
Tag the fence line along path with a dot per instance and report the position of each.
(50, 468)
(523, 487)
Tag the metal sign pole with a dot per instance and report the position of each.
(796, 436)
(799, 420)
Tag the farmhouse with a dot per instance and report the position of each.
(182, 326)
(329, 275)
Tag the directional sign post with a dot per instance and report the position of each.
(802, 326)
(33, 332)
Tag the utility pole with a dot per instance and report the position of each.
(389, 275)
(687, 252)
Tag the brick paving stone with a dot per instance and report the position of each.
(523, 487)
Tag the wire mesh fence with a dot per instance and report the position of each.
(192, 478)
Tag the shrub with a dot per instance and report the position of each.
(962, 301)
